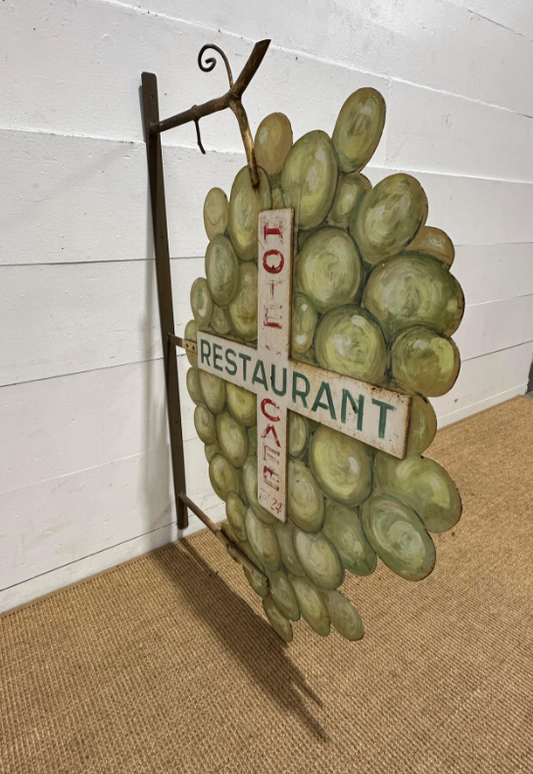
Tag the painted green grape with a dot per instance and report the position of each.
(342, 527)
(222, 270)
(263, 541)
(424, 485)
(435, 242)
(328, 269)
(257, 583)
(305, 501)
(201, 303)
(273, 141)
(309, 178)
(389, 217)
(193, 385)
(243, 308)
(424, 361)
(298, 435)
(414, 289)
(220, 321)
(344, 616)
(245, 204)
(204, 422)
(359, 128)
(422, 425)
(233, 439)
(349, 342)
(312, 605)
(210, 449)
(304, 320)
(223, 476)
(283, 595)
(398, 537)
(252, 440)
(281, 625)
(215, 213)
(341, 466)
(235, 510)
(318, 559)
(213, 391)
(284, 533)
(242, 404)
(348, 196)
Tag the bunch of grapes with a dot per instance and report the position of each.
(373, 299)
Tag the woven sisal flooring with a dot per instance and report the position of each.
(167, 664)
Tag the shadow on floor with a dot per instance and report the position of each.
(242, 631)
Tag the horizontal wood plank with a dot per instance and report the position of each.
(89, 201)
(485, 381)
(438, 132)
(494, 272)
(80, 317)
(495, 326)
(60, 521)
(435, 44)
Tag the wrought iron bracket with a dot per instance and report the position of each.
(153, 128)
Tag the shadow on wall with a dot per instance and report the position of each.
(240, 631)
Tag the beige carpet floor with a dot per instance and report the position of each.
(168, 665)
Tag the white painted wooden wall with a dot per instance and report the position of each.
(84, 470)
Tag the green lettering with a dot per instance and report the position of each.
(245, 359)
(302, 393)
(357, 407)
(260, 374)
(325, 388)
(273, 380)
(205, 355)
(230, 362)
(217, 357)
(383, 408)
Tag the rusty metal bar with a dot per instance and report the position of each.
(187, 344)
(164, 288)
(233, 549)
(153, 128)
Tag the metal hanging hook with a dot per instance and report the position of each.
(232, 99)
(210, 63)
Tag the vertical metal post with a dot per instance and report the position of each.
(164, 288)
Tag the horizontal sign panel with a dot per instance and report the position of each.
(374, 415)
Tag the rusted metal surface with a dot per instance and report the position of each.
(164, 287)
(232, 547)
(187, 344)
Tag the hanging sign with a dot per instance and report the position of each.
(374, 415)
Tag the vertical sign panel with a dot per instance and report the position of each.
(273, 350)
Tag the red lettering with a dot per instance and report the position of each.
(274, 269)
(268, 323)
(273, 479)
(272, 349)
(267, 231)
(272, 430)
(269, 402)
(273, 285)
(272, 454)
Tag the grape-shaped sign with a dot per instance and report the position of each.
(322, 327)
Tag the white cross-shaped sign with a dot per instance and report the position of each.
(374, 415)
